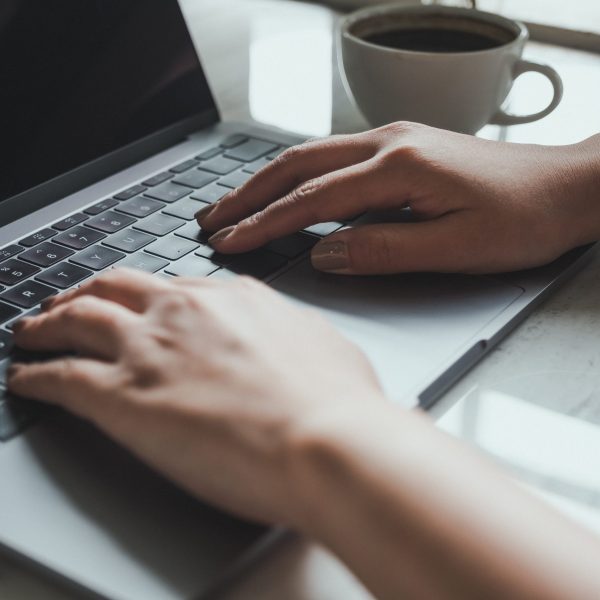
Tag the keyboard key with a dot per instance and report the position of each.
(129, 240)
(191, 266)
(30, 313)
(323, 229)
(211, 193)
(71, 221)
(171, 247)
(46, 254)
(130, 192)
(168, 192)
(10, 251)
(184, 209)
(234, 140)
(195, 179)
(192, 231)
(8, 313)
(38, 237)
(259, 263)
(223, 274)
(211, 254)
(14, 271)
(279, 150)
(144, 262)
(292, 246)
(140, 206)
(220, 165)
(28, 294)
(185, 166)
(159, 224)
(6, 344)
(251, 150)
(110, 222)
(79, 237)
(158, 179)
(257, 165)
(100, 207)
(210, 153)
(234, 180)
(97, 258)
(64, 275)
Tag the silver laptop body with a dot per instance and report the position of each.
(81, 509)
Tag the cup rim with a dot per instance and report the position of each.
(518, 27)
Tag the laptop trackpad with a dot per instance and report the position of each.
(408, 325)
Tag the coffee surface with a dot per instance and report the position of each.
(433, 39)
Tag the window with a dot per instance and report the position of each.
(582, 15)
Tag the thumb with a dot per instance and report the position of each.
(391, 248)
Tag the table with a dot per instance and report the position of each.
(534, 402)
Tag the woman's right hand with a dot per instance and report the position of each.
(481, 206)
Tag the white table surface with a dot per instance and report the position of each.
(534, 402)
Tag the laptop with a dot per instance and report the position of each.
(111, 141)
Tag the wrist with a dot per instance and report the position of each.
(583, 163)
(324, 456)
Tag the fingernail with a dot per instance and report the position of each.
(204, 212)
(18, 325)
(12, 370)
(330, 256)
(221, 235)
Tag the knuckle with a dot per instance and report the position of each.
(382, 251)
(307, 190)
(180, 301)
(70, 373)
(375, 252)
(404, 154)
(290, 156)
(254, 219)
(78, 308)
(400, 128)
(306, 196)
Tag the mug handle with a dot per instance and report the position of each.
(524, 66)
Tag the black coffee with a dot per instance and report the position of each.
(433, 40)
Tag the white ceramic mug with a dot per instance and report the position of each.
(461, 91)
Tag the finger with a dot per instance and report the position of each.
(130, 288)
(332, 197)
(295, 166)
(439, 245)
(81, 386)
(87, 325)
(197, 282)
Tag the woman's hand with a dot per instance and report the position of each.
(211, 382)
(262, 409)
(481, 206)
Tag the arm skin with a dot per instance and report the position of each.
(417, 515)
(263, 409)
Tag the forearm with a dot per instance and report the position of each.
(582, 190)
(416, 515)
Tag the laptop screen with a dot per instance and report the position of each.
(82, 78)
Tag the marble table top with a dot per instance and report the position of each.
(534, 403)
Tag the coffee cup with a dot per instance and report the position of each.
(444, 66)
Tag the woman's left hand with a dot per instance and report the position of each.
(211, 382)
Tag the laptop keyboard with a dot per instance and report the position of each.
(149, 226)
